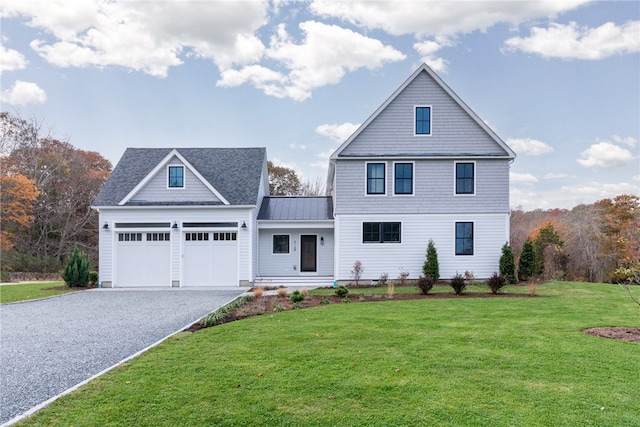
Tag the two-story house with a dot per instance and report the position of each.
(423, 166)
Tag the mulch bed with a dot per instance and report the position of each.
(621, 333)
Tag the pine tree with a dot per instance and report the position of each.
(76, 272)
(430, 268)
(528, 266)
(507, 264)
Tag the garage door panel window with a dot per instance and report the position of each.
(196, 237)
(158, 237)
(225, 236)
(130, 237)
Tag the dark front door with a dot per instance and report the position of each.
(308, 246)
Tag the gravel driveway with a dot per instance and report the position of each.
(50, 345)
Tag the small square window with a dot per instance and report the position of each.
(176, 176)
(280, 243)
(423, 120)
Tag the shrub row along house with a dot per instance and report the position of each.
(423, 166)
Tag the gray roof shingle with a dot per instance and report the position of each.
(233, 172)
(296, 209)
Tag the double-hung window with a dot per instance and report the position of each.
(464, 238)
(403, 176)
(176, 177)
(375, 178)
(423, 120)
(465, 178)
(381, 232)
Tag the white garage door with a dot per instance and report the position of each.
(210, 258)
(143, 259)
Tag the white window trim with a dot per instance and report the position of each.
(366, 182)
(184, 177)
(415, 107)
(474, 238)
(413, 179)
(475, 177)
(281, 253)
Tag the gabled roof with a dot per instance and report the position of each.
(296, 209)
(232, 174)
(425, 68)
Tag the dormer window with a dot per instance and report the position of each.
(176, 176)
(423, 120)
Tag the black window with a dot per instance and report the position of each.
(280, 243)
(176, 176)
(423, 120)
(375, 178)
(464, 238)
(464, 178)
(404, 178)
(381, 232)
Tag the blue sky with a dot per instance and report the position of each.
(559, 81)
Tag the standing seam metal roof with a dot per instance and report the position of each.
(296, 209)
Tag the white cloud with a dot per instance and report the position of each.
(522, 178)
(605, 155)
(23, 93)
(11, 60)
(298, 146)
(629, 140)
(338, 133)
(427, 50)
(323, 163)
(552, 175)
(573, 42)
(532, 147)
(598, 190)
(636, 177)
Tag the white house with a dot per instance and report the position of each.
(423, 166)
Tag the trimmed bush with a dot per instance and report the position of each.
(496, 282)
(76, 272)
(508, 264)
(458, 284)
(342, 291)
(425, 284)
(93, 278)
(296, 297)
(430, 267)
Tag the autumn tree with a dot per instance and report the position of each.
(283, 181)
(17, 197)
(549, 260)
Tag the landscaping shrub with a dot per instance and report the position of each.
(528, 266)
(93, 278)
(282, 292)
(496, 282)
(430, 267)
(5, 276)
(257, 292)
(296, 297)
(458, 284)
(508, 264)
(76, 272)
(425, 284)
(222, 314)
(403, 276)
(342, 291)
(357, 271)
(382, 281)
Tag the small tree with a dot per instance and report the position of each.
(76, 272)
(357, 271)
(430, 268)
(527, 266)
(508, 264)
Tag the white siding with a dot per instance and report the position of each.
(491, 231)
(283, 265)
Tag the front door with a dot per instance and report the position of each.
(308, 247)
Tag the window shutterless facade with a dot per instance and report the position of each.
(464, 238)
(280, 243)
(376, 178)
(381, 232)
(465, 178)
(423, 120)
(403, 178)
(176, 177)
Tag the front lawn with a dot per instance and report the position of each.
(29, 291)
(448, 361)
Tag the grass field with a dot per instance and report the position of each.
(29, 291)
(437, 362)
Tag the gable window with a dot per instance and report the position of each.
(423, 120)
(375, 178)
(381, 232)
(280, 243)
(176, 176)
(465, 178)
(403, 178)
(464, 238)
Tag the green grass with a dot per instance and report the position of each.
(413, 289)
(29, 291)
(455, 361)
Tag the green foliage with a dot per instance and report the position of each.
(629, 274)
(5, 276)
(425, 284)
(458, 283)
(223, 313)
(76, 272)
(93, 278)
(12, 260)
(31, 291)
(527, 267)
(546, 237)
(296, 297)
(278, 308)
(324, 301)
(431, 267)
(508, 264)
(342, 291)
(496, 282)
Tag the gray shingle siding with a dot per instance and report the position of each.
(296, 209)
(234, 172)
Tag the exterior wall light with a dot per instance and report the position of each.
(105, 226)
(175, 225)
(244, 225)
(322, 240)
